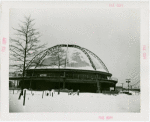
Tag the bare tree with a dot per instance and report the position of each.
(55, 58)
(59, 59)
(24, 46)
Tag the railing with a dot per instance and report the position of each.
(75, 76)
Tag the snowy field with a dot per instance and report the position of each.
(85, 102)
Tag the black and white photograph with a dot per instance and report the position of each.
(80, 59)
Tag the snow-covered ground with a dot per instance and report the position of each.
(85, 102)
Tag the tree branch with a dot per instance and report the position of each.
(16, 48)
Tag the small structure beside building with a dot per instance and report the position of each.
(14, 83)
(119, 88)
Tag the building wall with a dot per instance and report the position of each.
(77, 80)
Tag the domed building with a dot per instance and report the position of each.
(68, 67)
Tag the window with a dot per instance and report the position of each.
(43, 75)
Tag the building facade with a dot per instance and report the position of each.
(67, 67)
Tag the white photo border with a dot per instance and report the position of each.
(93, 116)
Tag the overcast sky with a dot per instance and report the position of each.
(112, 34)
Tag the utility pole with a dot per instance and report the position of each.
(122, 86)
(128, 81)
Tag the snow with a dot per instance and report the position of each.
(85, 102)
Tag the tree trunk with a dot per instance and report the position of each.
(22, 87)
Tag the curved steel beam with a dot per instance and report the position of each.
(83, 50)
(48, 51)
(43, 56)
(29, 64)
(97, 59)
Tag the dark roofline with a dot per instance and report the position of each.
(73, 70)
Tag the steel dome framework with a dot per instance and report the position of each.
(48, 51)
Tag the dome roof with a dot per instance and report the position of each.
(67, 57)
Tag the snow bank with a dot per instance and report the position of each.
(85, 102)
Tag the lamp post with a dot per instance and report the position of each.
(128, 81)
